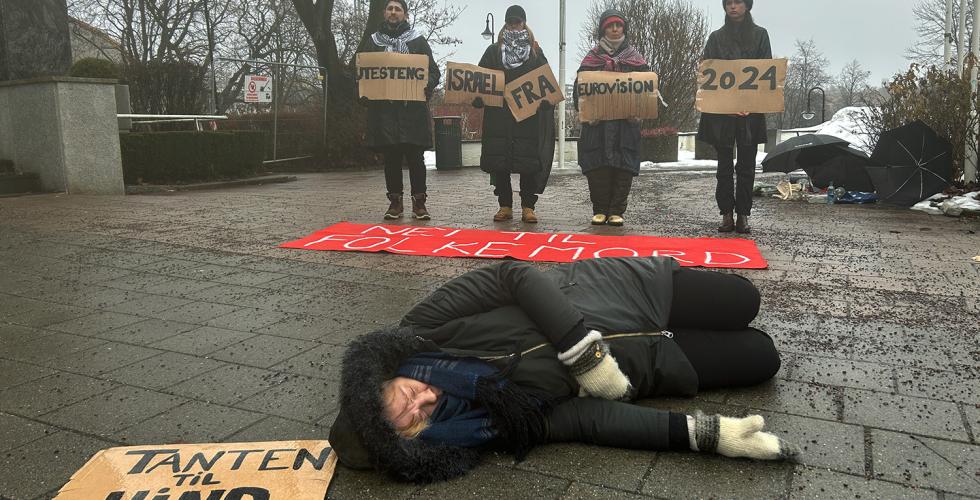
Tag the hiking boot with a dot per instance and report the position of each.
(505, 213)
(527, 215)
(615, 220)
(396, 207)
(742, 224)
(727, 223)
(598, 219)
(418, 207)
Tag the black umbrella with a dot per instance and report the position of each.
(912, 164)
(846, 169)
(798, 152)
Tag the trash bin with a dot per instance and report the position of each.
(449, 142)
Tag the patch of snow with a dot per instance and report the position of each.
(847, 124)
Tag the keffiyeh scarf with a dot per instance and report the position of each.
(599, 59)
(397, 43)
(516, 48)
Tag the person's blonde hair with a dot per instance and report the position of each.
(412, 431)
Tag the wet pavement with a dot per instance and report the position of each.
(174, 318)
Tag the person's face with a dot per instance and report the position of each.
(735, 9)
(614, 31)
(408, 401)
(394, 13)
(514, 24)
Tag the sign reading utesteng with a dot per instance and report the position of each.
(392, 76)
(285, 470)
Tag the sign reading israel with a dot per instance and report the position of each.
(465, 82)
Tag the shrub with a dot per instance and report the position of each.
(181, 157)
(91, 67)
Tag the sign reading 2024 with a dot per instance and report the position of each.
(741, 86)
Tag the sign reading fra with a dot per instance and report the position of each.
(465, 82)
(525, 94)
(392, 76)
(741, 86)
(295, 470)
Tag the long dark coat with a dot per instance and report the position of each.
(509, 146)
(506, 314)
(402, 122)
(726, 130)
(610, 143)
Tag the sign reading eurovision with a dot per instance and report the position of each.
(392, 76)
(608, 95)
(525, 94)
(297, 470)
(431, 241)
(465, 82)
(741, 86)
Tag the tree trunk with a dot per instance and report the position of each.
(317, 18)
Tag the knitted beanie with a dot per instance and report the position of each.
(748, 4)
(612, 15)
(515, 12)
(403, 2)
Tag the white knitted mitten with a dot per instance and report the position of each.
(595, 369)
(739, 437)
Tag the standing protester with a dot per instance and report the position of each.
(740, 38)
(402, 130)
(528, 147)
(608, 150)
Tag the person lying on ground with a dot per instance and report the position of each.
(510, 357)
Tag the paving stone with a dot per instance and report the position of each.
(147, 305)
(188, 269)
(50, 393)
(147, 331)
(610, 467)
(177, 287)
(926, 463)
(113, 410)
(958, 383)
(193, 422)
(94, 324)
(698, 475)
(280, 429)
(247, 320)
(366, 485)
(50, 347)
(223, 294)
(202, 341)
(46, 464)
(125, 260)
(816, 483)
(100, 359)
(229, 384)
(305, 327)
(925, 417)
(586, 491)
(195, 312)
(298, 398)
(137, 281)
(16, 431)
(15, 373)
(16, 334)
(97, 297)
(824, 444)
(488, 481)
(262, 351)
(843, 373)
(250, 278)
(163, 370)
(811, 400)
(904, 355)
(49, 314)
(322, 361)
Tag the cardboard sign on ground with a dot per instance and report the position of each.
(741, 85)
(392, 76)
(608, 95)
(465, 82)
(525, 94)
(286, 470)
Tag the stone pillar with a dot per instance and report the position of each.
(34, 40)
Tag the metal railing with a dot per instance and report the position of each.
(197, 119)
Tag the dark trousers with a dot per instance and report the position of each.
(735, 195)
(709, 317)
(505, 192)
(609, 190)
(412, 156)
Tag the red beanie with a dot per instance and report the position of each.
(612, 19)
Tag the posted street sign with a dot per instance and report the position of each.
(258, 88)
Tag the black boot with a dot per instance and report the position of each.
(418, 207)
(727, 223)
(742, 224)
(396, 207)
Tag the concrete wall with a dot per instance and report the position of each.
(65, 130)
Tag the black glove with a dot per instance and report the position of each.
(546, 106)
(477, 102)
(363, 101)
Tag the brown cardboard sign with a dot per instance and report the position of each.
(465, 82)
(392, 76)
(741, 86)
(287, 470)
(525, 94)
(608, 95)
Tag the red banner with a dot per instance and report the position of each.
(543, 247)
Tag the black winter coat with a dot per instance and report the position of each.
(402, 122)
(509, 146)
(610, 143)
(726, 130)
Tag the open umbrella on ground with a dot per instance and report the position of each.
(846, 169)
(798, 152)
(911, 163)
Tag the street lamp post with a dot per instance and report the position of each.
(488, 32)
(561, 83)
(809, 114)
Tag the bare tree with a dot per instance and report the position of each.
(671, 34)
(807, 69)
(930, 18)
(852, 85)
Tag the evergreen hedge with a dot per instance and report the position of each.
(183, 157)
